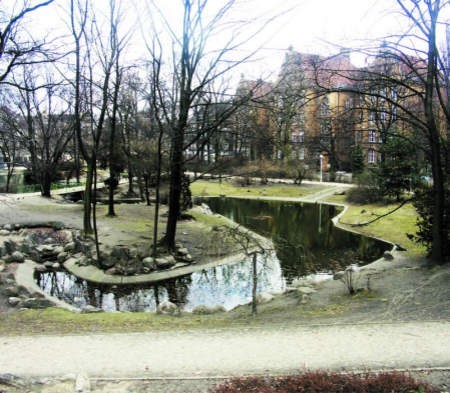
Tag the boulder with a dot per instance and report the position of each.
(264, 298)
(8, 227)
(107, 263)
(4, 232)
(41, 269)
(130, 271)
(48, 264)
(90, 309)
(168, 308)
(187, 258)
(306, 290)
(120, 253)
(69, 247)
(149, 263)
(111, 271)
(165, 262)
(388, 256)
(62, 256)
(182, 252)
(14, 301)
(58, 250)
(339, 275)
(47, 251)
(28, 245)
(2, 266)
(67, 235)
(9, 246)
(36, 303)
(56, 266)
(202, 310)
(17, 257)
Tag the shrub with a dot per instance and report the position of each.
(265, 169)
(322, 382)
(362, 195)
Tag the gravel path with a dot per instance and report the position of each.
(230, 352)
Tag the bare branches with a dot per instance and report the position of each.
(12, 50)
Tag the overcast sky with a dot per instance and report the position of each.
(313, 26)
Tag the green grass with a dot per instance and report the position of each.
(393, 227)
(216, 188)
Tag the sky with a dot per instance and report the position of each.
(312, 26)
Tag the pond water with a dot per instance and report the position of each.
(305, 239)
(305, 242)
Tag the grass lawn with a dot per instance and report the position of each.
(216, 188)
(393, 227)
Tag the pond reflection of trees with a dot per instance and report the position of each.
(305, 239)
(227, 285)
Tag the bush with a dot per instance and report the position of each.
(266, 169)
(363, 194)
(322, 382)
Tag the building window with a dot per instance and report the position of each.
(372, 136)
(301, 137)
(294, 137)
(371, 156)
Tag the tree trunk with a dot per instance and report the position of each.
(176, 176)
(111, 211)
(147, 190)
(438, 233)
(46, 184)
(130, 181)
(9, 173)
(87, 226)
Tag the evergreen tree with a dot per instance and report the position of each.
(357, 158)
(397, 171)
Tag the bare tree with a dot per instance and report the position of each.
(46, 127)
(195, 69)
(10, 143)
(17, 50)
(93, 90)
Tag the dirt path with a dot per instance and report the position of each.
(231, 351)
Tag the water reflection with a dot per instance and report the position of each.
(228, 286)
(305, 239)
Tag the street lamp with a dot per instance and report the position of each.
(321, 172)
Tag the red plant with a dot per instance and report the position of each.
(322, 382)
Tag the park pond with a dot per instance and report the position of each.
(306, 243)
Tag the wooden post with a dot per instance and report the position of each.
(255, 284)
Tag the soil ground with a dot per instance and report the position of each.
(405, 294)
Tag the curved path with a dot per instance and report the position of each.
(235, 351)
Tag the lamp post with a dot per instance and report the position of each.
(321, 172)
